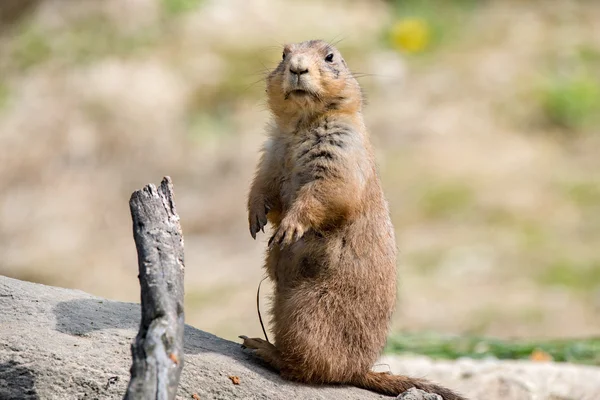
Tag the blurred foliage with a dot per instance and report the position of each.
(210, 108)
(12, 11)
(584, 194)
(571, 102)
(445, 200)
(584, 276)
(422, 26)
(244, 75)
(570, 93)
(533, 235)
(83, 41)
(198, 298)
(206, 126)
(31, 47)
(411, 35)
(176, 7)
(426, 261)
(4, 95)
(584, 351)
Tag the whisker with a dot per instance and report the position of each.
(265, 67)
(362, 74)
(261, 73)
(261, 106)
(278, 47)
(335, 42)
(250, 85)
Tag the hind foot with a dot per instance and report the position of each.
(263, 350)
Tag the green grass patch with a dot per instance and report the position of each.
(584, 194)
(426, 262)
(207, 126)
(31, 47)
(569, 95)
(177, 7)
(581, 351)
(196, 298)
(571, 102)
(4, 95)
(446, 200)
(243, 78)
(247, 70)
(582, 276)
(83, 41)
(532, 235)
(95, 38)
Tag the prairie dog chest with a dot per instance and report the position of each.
(313, 153)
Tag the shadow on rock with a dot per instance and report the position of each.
(16, 382)
(197, 341)
(81, 316)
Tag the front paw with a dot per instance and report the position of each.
(289, 231)
(257, 219)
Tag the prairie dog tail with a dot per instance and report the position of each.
(393, 385)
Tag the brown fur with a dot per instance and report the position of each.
(333, 254)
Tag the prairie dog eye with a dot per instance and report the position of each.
(283, 55)
(329, 57)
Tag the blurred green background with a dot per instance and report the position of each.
(485, 116)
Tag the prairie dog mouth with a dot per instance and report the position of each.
(299, 93)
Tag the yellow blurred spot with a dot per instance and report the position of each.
(540, 356)
(411, 35)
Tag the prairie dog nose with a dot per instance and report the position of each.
(299, 65)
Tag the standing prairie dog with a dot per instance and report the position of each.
(332, 256)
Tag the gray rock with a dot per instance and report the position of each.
(418, 394)
(65, 344)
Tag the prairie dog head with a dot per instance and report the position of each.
(311, 79)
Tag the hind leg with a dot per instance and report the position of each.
(263, 350)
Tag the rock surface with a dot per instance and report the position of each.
(64, 344)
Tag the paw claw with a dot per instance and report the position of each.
(257, 218)
(287, 233)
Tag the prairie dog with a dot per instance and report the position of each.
(332, 256)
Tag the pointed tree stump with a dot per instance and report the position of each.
(158, 348)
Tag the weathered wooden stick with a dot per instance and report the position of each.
(158, 349)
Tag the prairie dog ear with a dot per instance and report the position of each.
(286, 50)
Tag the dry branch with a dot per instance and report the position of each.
(158, 348)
